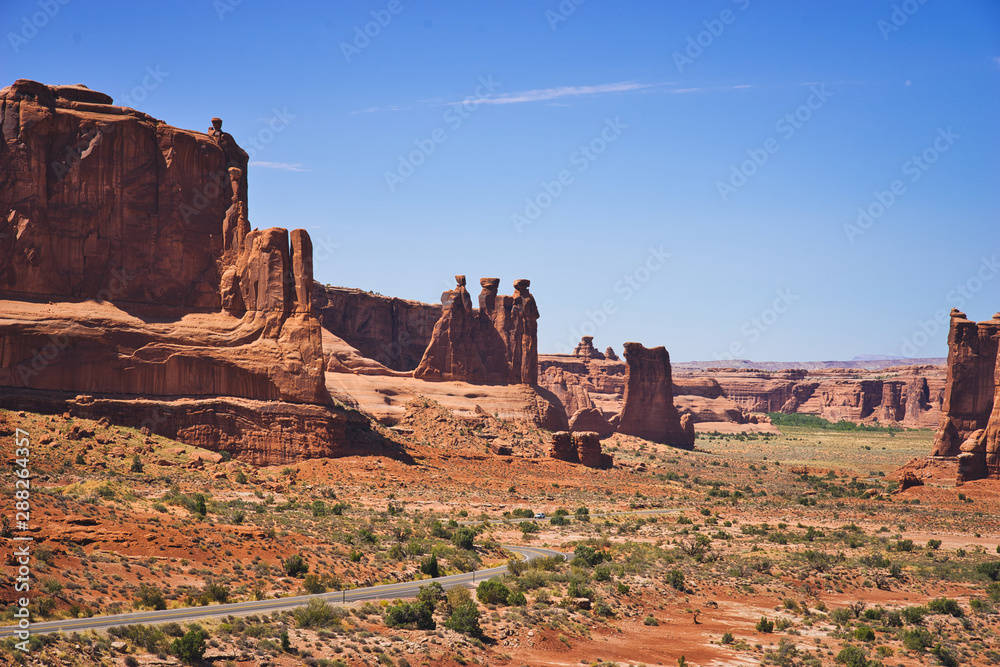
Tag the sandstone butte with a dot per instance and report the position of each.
(970, 423)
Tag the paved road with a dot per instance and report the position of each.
(601, 515)
(387, 591)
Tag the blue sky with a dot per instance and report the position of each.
(686, 174)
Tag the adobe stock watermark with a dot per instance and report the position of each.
(86, 142)
(714, 28)
(935, 328)
(901, 13)
(278, 122)
(786, 127)
(581, 159)
(562, 13)
(914, 168)
(31, 25)
(625, 288)
(454, 117)
(223, 7)
(363, 35)
(756, 326)
(22, 543)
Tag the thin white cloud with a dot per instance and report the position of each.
(742, 86)
(377, 109)
(280, 166)
(546, 94)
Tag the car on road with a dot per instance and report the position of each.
(539, 515)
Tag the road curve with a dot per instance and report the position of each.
(385, 591)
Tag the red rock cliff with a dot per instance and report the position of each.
(971, 385)
(128, 267)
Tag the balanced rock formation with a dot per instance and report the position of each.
(649, 410)
(494, 344)
(128, 267)
(587, 350)
(590, 420)
(971, 385)
(583, 447)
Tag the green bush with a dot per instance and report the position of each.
(914, 615)
(765, 626)
(727, 638)
(432, 594)
(517, 599)
(191, 647)
(464, 538)
(588, 555)
(864, 634)
(410, 615)
(917, 639)
(316, 614)
(945, 606)
(295, 565)
(429, 566)
(990, 569)
(492, 591)
(676, 580)
(465, 619)
(853, 656)
(559, 520)
(152, 597)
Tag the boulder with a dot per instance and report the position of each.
(590, 419)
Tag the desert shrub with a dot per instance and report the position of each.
(993, 590)
(492, 591)
(853, 656)
(150, 637)
(675, 578)
(464, 618)
(727, 638)
(649, 620)
(945, 606)
(588, 555)
(151, 597)
(559, 520)
(316, 614)
(191, 647)
(528, 527)
(429, 566)
(295, 565)
(313, 584)
(602, 573)
(864, 634)
(945, 656)
(136, 464)
(764, 625)
(464, 538)
(457, 596)
(933, 544)
(431, 594)
(917, 639)
(410, 615)
(217, 592)
(989, 569)
(318, 508)
(517, 599)
(914, 615)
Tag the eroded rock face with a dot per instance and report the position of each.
(494, 344)
(649, 411)
(128, 266)
(390, 331)
(971, 385)
(587, 350)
